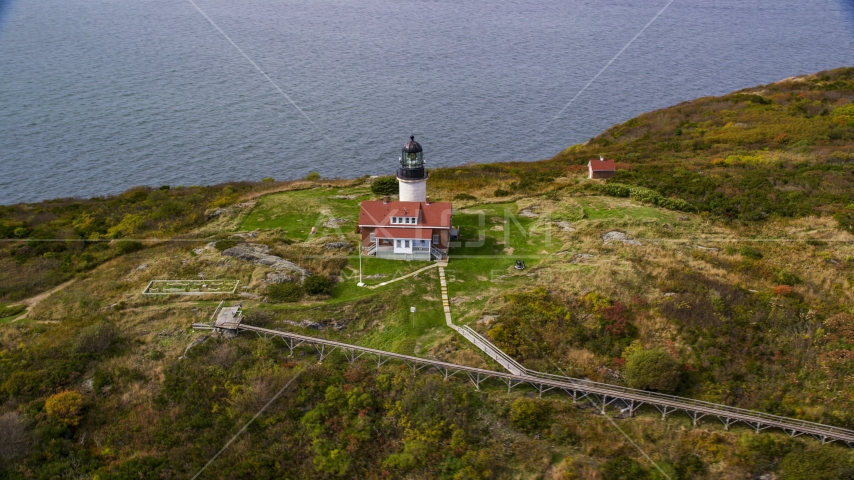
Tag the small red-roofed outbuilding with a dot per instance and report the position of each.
(601, 168)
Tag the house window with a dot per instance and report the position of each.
(406, 244)
(435, 238)
(393, 219)
(398, 244)
(372, 236)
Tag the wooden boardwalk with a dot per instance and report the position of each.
(601, 395)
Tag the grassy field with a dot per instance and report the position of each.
(748, 293)
(297, 212)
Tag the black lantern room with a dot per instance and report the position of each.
(412, 161)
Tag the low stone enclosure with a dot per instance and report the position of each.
(190, 287)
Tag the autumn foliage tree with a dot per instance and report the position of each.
(64, 407)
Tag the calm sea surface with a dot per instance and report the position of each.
(97, 96)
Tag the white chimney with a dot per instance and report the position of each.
(601, 158)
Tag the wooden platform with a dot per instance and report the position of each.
(229, 318)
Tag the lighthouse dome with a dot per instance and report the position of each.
(412, 146)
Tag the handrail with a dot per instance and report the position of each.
(619, 388)
(605, 390)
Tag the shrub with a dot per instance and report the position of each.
(128, 246)
(817, 463)
(225, 244)
(464, 196)
(64, 407)
(527, 414)
(319, 284)
(622, 468)
(617, 190)
(11, 310)
(268, 180)
(16, 439)
(283, 292)
(782, 290)
(95, 338)
(385, 186)
(501, 193)
(785, 277)
(652, 370)
(750, 252)
(312, 177)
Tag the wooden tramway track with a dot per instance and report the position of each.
(599, 394)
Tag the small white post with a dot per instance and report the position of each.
(361, 283)
(412, 310)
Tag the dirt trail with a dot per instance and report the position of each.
(33, 301)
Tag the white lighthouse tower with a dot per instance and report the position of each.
(412, 176)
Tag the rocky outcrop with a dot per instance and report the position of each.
(338, 246)
(276, 277)
(335, 222)
(616, 236)
(256, 253)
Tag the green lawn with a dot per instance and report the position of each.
(297, 211)
(611, 208)
(492, 238)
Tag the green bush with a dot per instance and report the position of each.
(312, 177)
(750, 252)
(464, 196)
(646, 195)
(95, 338)
(225, 244)
(319, 284)
(284, 292)
(501, 193)
(617, 190)
(622, 468)
(128, 246)
(653, 370)
(385, 186)
(11, 310)
(785, 277)
(527, 414)
(817, 463)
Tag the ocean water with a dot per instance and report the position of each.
(97, 96)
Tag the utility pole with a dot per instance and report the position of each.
(361, 283)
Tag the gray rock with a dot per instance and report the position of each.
(581, 257)
(216, 213)
(277, 277)
(335, 222)
(338, 246)
(305, 324)
(528, 213)
(250, 252)
(711, 249)
(616, 236)
(564, 226)
(375, 276)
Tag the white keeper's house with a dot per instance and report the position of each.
(413, 228)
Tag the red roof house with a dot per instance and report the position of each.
(406, 230)
(601, 168)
